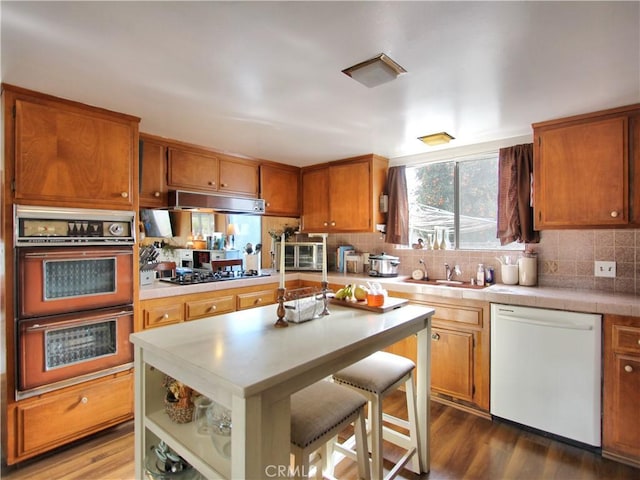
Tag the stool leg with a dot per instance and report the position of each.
(413, 423)
(361, 447)
(376, 438)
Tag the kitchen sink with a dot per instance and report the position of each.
(446, 283)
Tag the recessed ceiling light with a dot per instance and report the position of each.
(375, 71)
(436, 139)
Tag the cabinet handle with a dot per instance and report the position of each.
(84, 400)
(628, 368)
(267, 204)
(326, 224)
(224, 184)
(166, 315)
(124, 194)
(259, 300)
(639, 341)
(156, 194)
(333, 224)
(212, 183)
(435, 337)
(213, 307)
(614, 214)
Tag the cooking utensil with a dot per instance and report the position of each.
(383, 265)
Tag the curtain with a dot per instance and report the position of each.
(515, 195)
(398, 210)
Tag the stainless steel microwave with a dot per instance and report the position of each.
(300, 256)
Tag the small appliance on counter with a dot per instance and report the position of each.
(383, 265)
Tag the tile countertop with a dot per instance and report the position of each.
(543, 297)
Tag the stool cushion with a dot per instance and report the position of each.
(376, 373)
(320, 407)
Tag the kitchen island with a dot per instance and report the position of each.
(241, 361)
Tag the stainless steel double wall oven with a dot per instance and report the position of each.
(74, 295)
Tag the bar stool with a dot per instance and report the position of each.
(376, 376)
(318, 413)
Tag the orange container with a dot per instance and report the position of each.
(376, 300)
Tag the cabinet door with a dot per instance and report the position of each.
(279, 188)
(350, 196)
(192, 170)
(158, 313)
(153, 161)
(452, 363)
(82, 410)
(211, 306)
(622, 417)
(74, 157)
(256, 299)
(238, 177)
(582, 174)
(315, 200)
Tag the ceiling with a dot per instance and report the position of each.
(264, 79)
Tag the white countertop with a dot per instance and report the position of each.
(543, 297)
(245, 354)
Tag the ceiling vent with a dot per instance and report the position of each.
(375, 71)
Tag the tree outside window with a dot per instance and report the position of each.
(455, 200)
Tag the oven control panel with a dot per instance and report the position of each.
(47, 226)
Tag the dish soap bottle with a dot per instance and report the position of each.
(480, 275)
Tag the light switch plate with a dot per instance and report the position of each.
(605, 269)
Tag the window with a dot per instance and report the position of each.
(453, 203)
(202, 224)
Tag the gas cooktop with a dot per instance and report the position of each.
(193, 278)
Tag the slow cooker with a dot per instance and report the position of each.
(383, 265)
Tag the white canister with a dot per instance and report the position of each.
(528, 271)
(510, 274)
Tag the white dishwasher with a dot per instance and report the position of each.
(546, 370)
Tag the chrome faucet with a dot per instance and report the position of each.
(450, 272)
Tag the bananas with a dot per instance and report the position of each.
(352, 293)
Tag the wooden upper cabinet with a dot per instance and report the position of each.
(238, 176)
(153, 175)
(71, 154)
(343, 196)
(192, 170)
(586, 170)
(202, 170)
(280, 189)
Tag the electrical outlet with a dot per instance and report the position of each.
(605, 269)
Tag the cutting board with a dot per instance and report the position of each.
(390, 303)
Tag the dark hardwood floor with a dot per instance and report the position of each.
(463, 446)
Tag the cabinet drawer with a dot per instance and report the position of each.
(469, 316)
(160, 315)
(626, 339)
(213, 306)
(256, 299)
(58, 419)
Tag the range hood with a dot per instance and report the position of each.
(183, 200)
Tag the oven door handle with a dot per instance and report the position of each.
(68, 254)
(89, 321)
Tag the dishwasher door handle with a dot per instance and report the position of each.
(543, 323)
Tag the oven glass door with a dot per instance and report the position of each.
(66, 347)
(61, 280)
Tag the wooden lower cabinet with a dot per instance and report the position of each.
(159, 312)
(460, 351)
(621, 395)
(210, 306)
(57, 418)
(256, 299)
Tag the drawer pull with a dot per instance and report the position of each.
(166, 315)
(124, 194)
(639, 341)
(156, 194)
(628, 368)
(84, 400)
(435, 337)
(614, 214)
(259, 300)
(213, 307)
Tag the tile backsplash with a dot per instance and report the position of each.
(565, 258)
